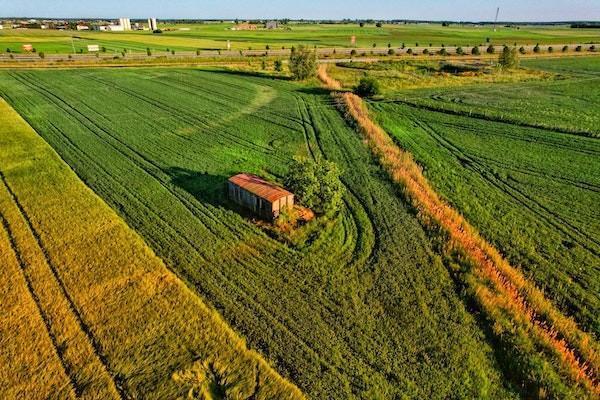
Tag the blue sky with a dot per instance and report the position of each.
(510, 10)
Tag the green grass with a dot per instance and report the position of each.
(365, 310)
(215, 36)
(532, 192)
(88, 310)
(568, 101)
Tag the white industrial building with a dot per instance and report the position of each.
(125, 23)
(152, 24)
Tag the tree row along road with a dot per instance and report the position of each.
(321, 52)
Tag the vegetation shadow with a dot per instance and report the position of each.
(207, 188)
(256, 74)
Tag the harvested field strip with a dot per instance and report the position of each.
(498, 287)
(89, 271)
(364, 309)
(30, 367)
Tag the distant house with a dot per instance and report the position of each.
(263, 198)
(271, 25)
(83, 28)
(245, 26)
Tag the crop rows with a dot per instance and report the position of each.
(111, 321)
(366, 309)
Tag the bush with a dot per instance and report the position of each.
(425, 51)
(8, 50)
(148, 52)
(353, 52)
(103, 49)
(409, 51)
(592, 48)
(509, 58)
(475, 51)
(173, 52)
(316, 184)
(491, 49)
(460, 51)
(443, 52)
(278, 65)
(550, 49)
(379, 24)
(197, 52)
(158, 31)
(522, 50)
(537, 48)
(565, 49)
(578, 49)
(42, 55)
(367, 87)
(303, 63)
(391, 52)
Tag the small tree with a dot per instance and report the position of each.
(267, 47)
(303, 63)
(537, 49)
(316, 184)
(491, 49)
(42, 55)
(379, 24)
(509, 58)
(578, 49)
(148, 52)
(592, 48)
(425, 51)
(391, 52)
(367, 87)
(475, 51)
(374, 45)
(197, 52)
(522, 50)
(278, 65)
(443, 52)
(565, 49)
(361, 24)
(173, 52)
(409, 51)
(263, 64)
(353, 52)
(103, 49)
(460, 51)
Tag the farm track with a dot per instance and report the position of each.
(80, 353)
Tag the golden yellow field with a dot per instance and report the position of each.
(88, 310)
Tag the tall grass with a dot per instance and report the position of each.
(514, 306)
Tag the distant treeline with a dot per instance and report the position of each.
(587, 25)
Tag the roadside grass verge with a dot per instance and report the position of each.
(122, 324)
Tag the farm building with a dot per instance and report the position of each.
(256, 194)
(271, 25)
(244, 26)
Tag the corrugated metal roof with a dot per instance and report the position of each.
(260, 187)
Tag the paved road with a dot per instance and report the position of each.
(323, 53)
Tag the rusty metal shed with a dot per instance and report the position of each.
(264, 198)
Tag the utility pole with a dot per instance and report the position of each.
(496, 19)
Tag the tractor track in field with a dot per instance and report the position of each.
(515, 193)
(58, 351)
(490, 118)
(117, 388)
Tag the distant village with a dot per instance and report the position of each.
(120, 25)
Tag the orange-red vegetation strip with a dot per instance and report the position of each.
(499, 288)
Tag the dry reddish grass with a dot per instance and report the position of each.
(326, 79)
(499, 288)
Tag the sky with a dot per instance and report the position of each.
(456, 10)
